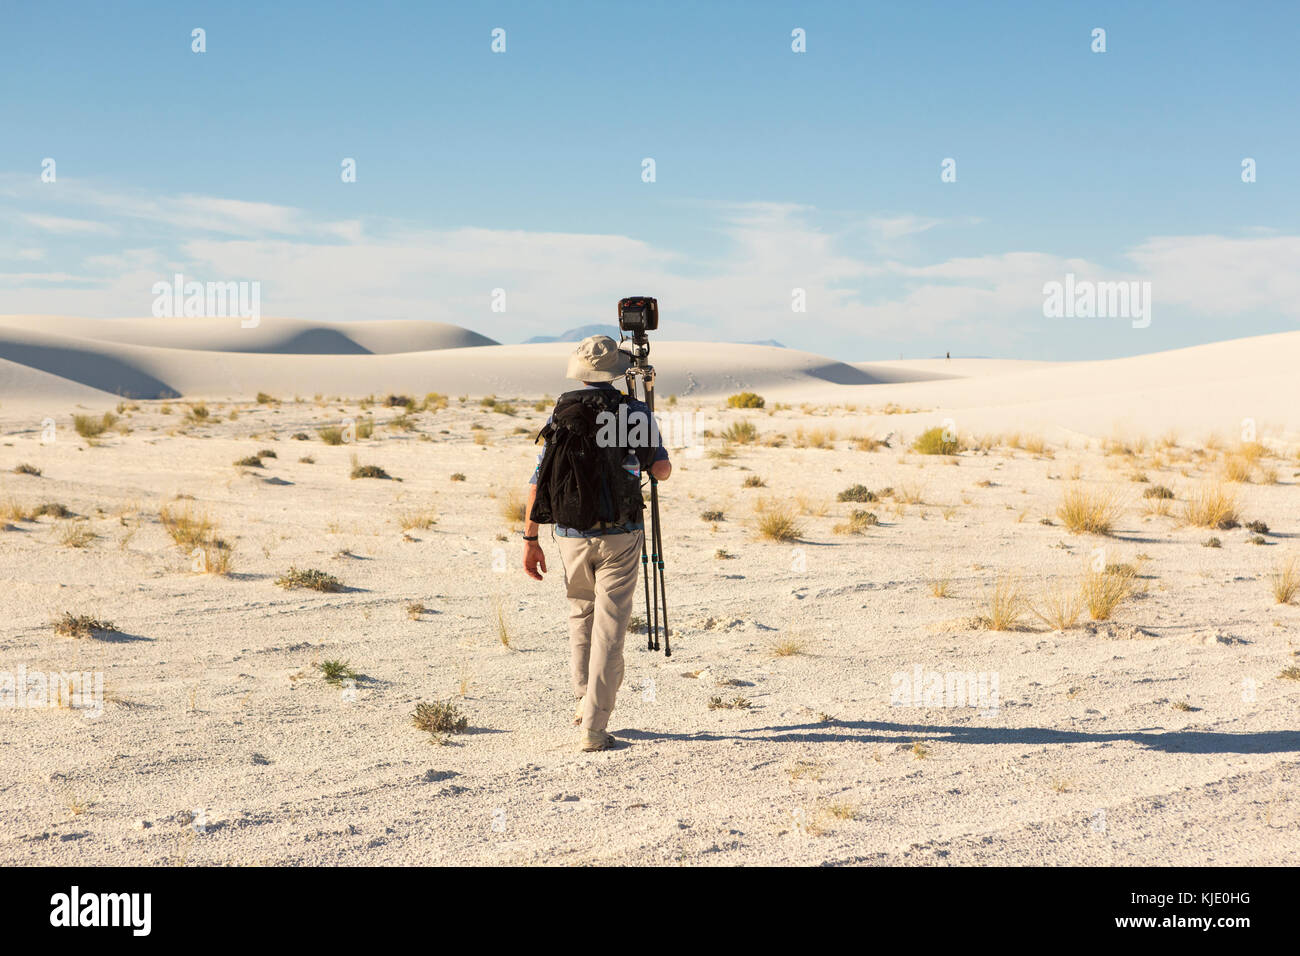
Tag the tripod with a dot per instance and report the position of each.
(652, 565)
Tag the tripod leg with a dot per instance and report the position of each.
(654, 568)
(662, 596)
(645, 579)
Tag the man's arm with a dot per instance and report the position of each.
(533, 556)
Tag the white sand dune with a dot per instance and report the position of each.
(1207, 388)
(271, 334)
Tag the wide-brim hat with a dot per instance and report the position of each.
(597, 359)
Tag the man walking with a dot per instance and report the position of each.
(597, 442)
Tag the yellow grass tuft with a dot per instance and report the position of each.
(1285, 580)
(1005, 605)
(778, 520)
(1102, 591)
(1091, 512)
(1059, 607)
(1211, 506)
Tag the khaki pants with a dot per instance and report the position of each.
(600, 578)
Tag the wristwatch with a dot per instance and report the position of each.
(527, 538)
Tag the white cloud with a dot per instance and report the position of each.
(62, 226)
(337, 270)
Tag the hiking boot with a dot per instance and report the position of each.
(595, 740)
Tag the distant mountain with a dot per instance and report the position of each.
(576, 335)
(772, 342)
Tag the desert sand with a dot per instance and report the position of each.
(1164, 733)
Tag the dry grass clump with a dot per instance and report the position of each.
(741, 432)
(1104, 590)
(1212, 506)
(76, 535)
(745, 400)
(26, 469)
(92, 426)
(1238, 469)
(1284, 581)
(331, 435)
(858, 523)
(309, 578)
(814, 438)
(1005, 605)
(512, 507)
(1093, 512)
(778, 520)
(1059, 607)
(188, 526)
(417, 519)
(82, 625)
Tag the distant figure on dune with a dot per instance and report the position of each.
(591, 491)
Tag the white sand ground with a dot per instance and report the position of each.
(214, 704)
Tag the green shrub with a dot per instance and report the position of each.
(745, 400)
(937, 441)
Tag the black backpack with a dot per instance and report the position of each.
(579, 483)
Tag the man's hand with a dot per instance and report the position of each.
(533, 559)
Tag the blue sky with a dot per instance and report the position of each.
(775, 170)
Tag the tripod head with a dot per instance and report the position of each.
(638, 315)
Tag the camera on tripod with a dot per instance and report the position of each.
(638, 314)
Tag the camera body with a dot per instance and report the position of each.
(638, 315)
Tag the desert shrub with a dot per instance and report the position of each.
(369, 471)
(82, 625)
(858, 523)
(711, 516)
(753, 481)
(1158, 491)
(91, 426)
(336, 671)
(252, 461)
(859, 493)
(309, 578)
(26, 469)
(937, 441)
(439, 717)
(745, 400)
